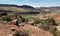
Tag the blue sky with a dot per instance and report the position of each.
(35, 3)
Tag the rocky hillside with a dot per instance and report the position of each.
(54, 9)
(18, 9)
(11, 30)
(26, 8)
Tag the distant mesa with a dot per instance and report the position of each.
(51, 8)
(12, 5)
(26, 6)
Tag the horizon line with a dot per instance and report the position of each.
(31, 5)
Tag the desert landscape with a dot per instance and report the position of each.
(29, 18)
(29, 21)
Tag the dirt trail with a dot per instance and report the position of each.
(5, 30)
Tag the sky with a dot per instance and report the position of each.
(34, 3)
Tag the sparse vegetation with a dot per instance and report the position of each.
(28, 14)
(6, 18)
(22, 33)
(47, 23)
(50, 25)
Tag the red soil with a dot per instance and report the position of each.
(5, 30)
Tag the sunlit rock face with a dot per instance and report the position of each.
(58, 28)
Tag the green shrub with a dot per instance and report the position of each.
(22, 33)
(6, 18)
(53, 30)
(37, 21)
(47, 23)
(51, 21)
(50, 25)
